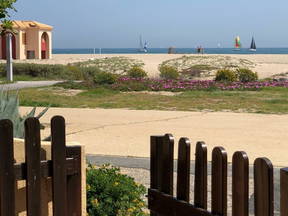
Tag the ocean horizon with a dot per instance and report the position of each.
(165, 50)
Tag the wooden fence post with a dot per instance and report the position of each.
(183, 170)
(263, 187)
(284, 191)
(32, 157)
(59, 180)
(219, 181)
(7, 173)
(200, 181)
(161, 164)
(74, 185)
(240, 184)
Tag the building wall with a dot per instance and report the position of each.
(32, 38)
(50, 44)
(20, 47)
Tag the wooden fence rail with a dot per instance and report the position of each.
(161, 201)
(64, 169)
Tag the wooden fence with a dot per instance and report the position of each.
(64, 169)
(160, 196)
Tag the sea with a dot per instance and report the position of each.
(165, 50)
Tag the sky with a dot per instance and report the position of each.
(162, 23)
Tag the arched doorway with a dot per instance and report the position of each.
(3, 39)
(44, 46)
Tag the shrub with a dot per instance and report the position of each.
(76, 72)
(56, 71)
(226, 75)
(136, 72)
(104, 78)
(132, 84)
(9, 109)
(111, 193)
(93, 75)
(168, 72)
(246, 75)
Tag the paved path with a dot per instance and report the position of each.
(127, 132)
(27, 84)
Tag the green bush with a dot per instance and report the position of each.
(132, 85)
(246, 75)
(104, 78)
(226, 75)
(56, 71)
(137, 72)
(110, 193)
(168, 72)
(93, 75)
(89, 73)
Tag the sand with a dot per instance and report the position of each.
(266, 64)
(127, 132)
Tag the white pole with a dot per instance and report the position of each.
(9, 66)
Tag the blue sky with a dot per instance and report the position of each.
(163, 23)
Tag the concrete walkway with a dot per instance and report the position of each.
(27, 84)
(127, 132)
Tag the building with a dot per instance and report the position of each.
(32, 40)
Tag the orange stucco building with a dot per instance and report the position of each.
(32, 40)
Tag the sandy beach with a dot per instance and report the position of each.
(266, 65)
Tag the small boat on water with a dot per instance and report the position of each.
(253, 45)
(141, 47)
(237, 44)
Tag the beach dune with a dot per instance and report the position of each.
(266, 65)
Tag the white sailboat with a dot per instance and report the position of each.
(141, 47)
(145, 48)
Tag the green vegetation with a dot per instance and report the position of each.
(168, 72)
(41, 71)
(111, 193)
(117, 65)
(136, 72)
(204, 66)
(9, 109)
(102, 78)
(246, 75)
(90, 71)
(243, 75)
(266, 100)
(5, 6)
(226, 75)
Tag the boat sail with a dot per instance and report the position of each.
(141, 47)
(145, 48)
(253, 45)
(237, 44)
